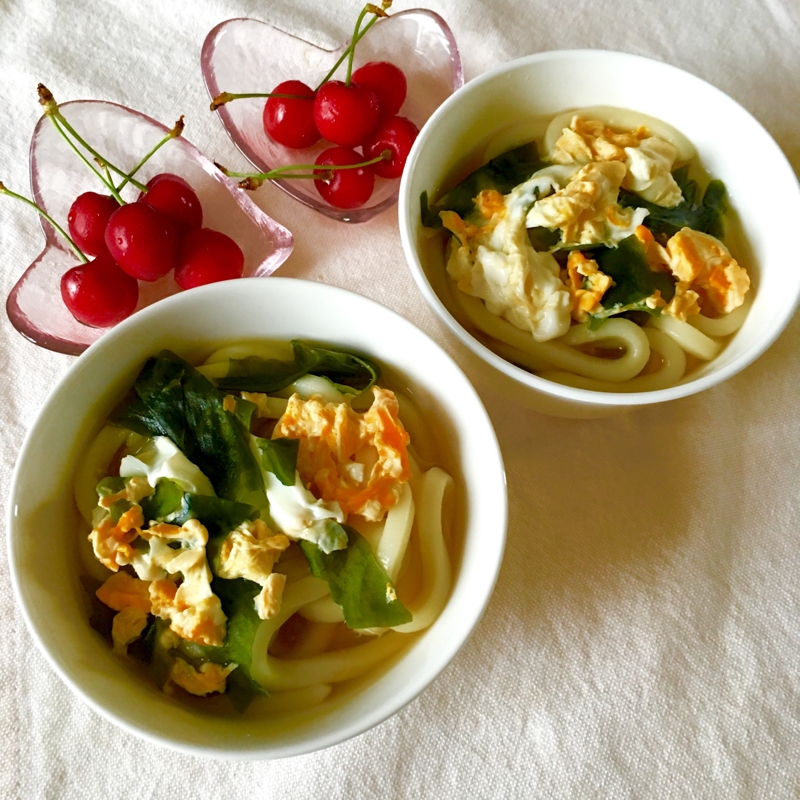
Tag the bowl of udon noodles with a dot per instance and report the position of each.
(602, 230)
(256, 519)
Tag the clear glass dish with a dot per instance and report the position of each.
(245, 55)
(58, 176)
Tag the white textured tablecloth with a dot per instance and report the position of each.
(644, 637)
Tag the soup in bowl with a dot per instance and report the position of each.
(585, 223)
(246, 527)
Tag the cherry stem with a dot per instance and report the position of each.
(52, 110)
(78, 252)
(174, 133)
(77, 151)
(113, 189)
(226, 97)
(357, 37)
(353, 43)
(324, 172)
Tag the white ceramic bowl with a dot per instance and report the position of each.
(44, 523)
(731, 144)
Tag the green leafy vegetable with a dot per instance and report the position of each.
(348, 372)
(109, 486)
(218, 515)
(237, 598)
(327, 534)
(165, 504)
(279, 456)
(173, 399)
(502, 173)
(706, 216)
(244, 412)
(542, 239)
(358, 583)
(634, 281)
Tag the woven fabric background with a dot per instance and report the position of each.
(644, 637)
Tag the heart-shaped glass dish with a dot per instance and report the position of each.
(122, 135)
(245, 55)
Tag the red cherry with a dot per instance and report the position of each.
(387, 81)
(346, 115)
(349, 188)
(174, 197)
(396, 134)
(87, 220)
(142, 241)
(289, 121)
(207, 256)
(99, 293)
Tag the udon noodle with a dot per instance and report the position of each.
(585, 251)
(279, 589)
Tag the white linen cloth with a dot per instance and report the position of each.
(644, 637)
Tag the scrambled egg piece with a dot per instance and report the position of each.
(266, 406)
(586, 283)
(650, 172)
(194, 611)
(209, 678)
(130, 597)
(586, 209)
(496, 262)
(703, 261)
(122, 590)
(588, 140)
(111, 541)
(127, 627)
(136, 489)
(685, 301)
(250, 551)
(356, 460)
(648, 159)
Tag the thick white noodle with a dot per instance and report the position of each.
(91, 565)
(561, 353)
(217, 364)
(312, 384)
(671, 371)
(314, 640)
(322, 610)
(422, 440)
(280, 350)
(389, 548)
(515, 136)
(93, 467)
(277, 674)
(393, 541)
(722, 326)
(620, 119)
(436, 571)
(688, 337)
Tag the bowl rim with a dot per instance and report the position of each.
(314, 741)
(558, 391)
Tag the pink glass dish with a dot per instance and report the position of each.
(58, 176)
(245, 55)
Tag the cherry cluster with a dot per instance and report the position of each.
(360, 112)
(141, 241)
